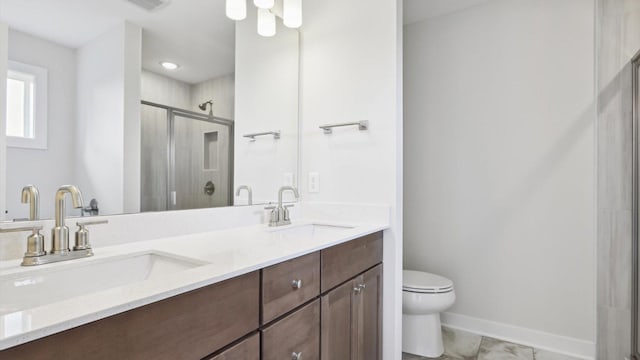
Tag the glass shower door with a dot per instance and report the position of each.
(201, 163)
(186, 159)
(154, 159)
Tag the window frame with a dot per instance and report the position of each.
(40, 107)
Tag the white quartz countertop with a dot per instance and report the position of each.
(223, 253)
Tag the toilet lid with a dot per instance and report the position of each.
(418, 281)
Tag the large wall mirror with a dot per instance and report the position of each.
(147, 105)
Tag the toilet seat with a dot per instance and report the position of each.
(425, 283)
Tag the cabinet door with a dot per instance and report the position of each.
(368, 315)
(298, 333)
(352, 319)
(337, 328)
(248, 349)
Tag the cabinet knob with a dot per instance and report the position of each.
(296, 356)
(296, 284)
(357, 289)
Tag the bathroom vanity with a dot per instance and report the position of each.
(323, 301)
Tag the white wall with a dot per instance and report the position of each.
(266, 84)
(4, 52)
(351, 65)
(499, 159)
(47, 169)
(107, 90)
(132, 92)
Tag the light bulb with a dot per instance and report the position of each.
(266, 23)
(236, 9)
(169, 65)
(264, 4)
(292, 17)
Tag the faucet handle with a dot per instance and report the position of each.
(35, 241)
(35, 227)
(88, 223)
(82, 235)
(273, 219)
(285, 215)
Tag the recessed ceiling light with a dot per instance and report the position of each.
(169, 65)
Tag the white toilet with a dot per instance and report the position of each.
(424, 297)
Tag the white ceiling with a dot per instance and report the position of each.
(193, 33)
(418, 10)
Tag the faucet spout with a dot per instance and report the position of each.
(60, 233)
(76, 201)
(248, 188)
(283, 189)
(31, 195)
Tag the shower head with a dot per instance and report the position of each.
(203, 106)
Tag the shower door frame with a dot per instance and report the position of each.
(635, 251)
(172, 112)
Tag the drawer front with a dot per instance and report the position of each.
(187, 326)
(248, 349)
(342, 262)
(297, 333)
(289, 284)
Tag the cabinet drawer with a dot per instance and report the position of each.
(248, 349)
(289, 284)
(187, 326)
(296, 333)
(342, 262)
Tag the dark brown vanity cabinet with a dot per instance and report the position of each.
(351, 319)
(247, 349)
(324, 305)
(289, 284)
(297, 336)
(187, 326)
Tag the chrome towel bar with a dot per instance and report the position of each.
(252, 137)
(362, 125)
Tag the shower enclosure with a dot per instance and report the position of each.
(186, 159)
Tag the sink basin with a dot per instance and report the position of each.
(44, 286)
(310, 229)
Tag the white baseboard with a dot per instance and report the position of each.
(540, 340)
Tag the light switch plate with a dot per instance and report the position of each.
(314, 182)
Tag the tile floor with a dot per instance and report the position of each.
(461, 345)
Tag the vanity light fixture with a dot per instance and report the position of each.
(266, 23)
(292, 17)
(289, 10)
(236, 9)
(264, 4)
(169, 65)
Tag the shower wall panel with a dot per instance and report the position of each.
(192, 137)
(618, 24)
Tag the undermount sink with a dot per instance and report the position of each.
(30, 289)
(310, 229)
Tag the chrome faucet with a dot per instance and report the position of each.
(36, 254)
(31, 195)
(60, 233)
(248, 188)
(280, 214)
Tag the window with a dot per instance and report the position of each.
(26, 106)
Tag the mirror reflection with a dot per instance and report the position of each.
(147, 105)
